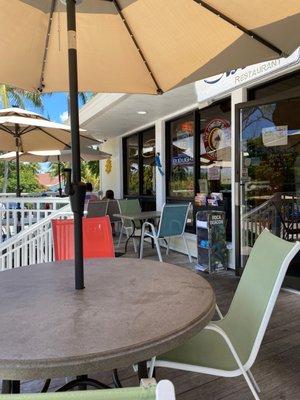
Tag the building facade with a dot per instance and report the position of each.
(236, 134)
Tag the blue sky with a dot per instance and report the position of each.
(55, 106)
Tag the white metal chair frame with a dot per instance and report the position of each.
(243, 369)
(155, 235)
(128, 231)
(164, 390)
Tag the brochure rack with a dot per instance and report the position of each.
(211, 241)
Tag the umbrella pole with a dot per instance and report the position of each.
(18, 188)
(78, 188)
(59, 176)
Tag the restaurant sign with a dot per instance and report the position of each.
(235, 78)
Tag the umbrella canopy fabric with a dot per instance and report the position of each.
(137, 46)
(55, 156)
(24, 157)
(35, 132)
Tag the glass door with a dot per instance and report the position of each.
(270, 176)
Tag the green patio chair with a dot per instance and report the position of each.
(229, 347)
(129, 206)
(148, 390)
(172, 223)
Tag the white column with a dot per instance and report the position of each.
(114, 179)
(119, 165)
(100, 176)
(160, 148)
(237, 96)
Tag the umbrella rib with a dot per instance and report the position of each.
(52, 8)
(53, 137)
(248, 32)
(135, 42)
(27, 129)
(7, 130)
(89, 138)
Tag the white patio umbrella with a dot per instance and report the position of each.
(135, 46)
(55, 156)
(22, 130)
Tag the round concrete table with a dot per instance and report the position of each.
(129, 311)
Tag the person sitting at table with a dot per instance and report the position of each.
(89, 193)
(109, 195)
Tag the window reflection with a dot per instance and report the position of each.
(182, 157)
(270, 144)
(215, 149)
(148, 159)
(133, 165)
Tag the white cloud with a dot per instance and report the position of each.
(64, 116)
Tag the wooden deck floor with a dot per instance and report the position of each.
(276, 368)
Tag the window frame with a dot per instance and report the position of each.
(195, 115)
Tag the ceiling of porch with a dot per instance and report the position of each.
(111, 115)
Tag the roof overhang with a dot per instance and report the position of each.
(112, 115)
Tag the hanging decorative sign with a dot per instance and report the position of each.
(158, 164)
(108, 165)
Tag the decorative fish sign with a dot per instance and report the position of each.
(158, 164)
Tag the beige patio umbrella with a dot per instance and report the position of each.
(134, 46)
(141, 46)
(23, 130)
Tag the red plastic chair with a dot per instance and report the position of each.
(97, 238)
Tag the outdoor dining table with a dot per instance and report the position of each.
(139, 216)
(129, 311)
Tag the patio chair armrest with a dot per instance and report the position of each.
(215, 328)
(151, 226)
(220, 315)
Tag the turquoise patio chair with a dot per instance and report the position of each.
(172, 223)
(229, 347)
(148, 390)
(130, 207)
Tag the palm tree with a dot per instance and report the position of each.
(83, 97)
(10, 96)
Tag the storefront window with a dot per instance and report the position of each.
(139, 164)
(182, 157)
(198, 154)
(132, 150)
(215, 149)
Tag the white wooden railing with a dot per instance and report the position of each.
(19, 213)
(32, 245)
(256, 220)
(280, 214)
